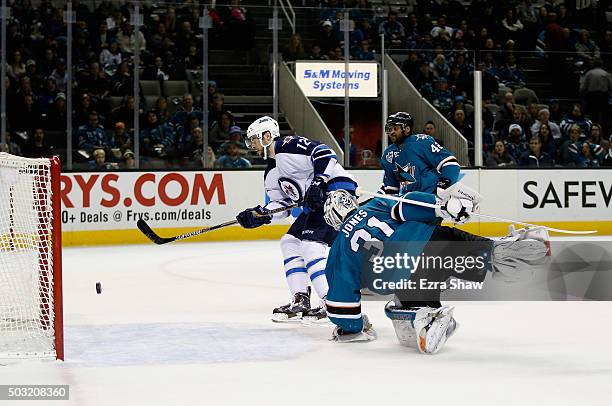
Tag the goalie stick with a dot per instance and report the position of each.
(361, 191)
(151, 235)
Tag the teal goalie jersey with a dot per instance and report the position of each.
(369, 233)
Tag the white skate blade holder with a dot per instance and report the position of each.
(284, 318)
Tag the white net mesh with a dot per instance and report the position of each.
(26, 260)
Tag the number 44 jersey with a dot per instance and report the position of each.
(418, 166)
(367, 234)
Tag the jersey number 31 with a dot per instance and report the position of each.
(371, 244)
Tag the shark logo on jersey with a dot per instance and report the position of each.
(290, 188)
(405, 174)
(391, 155)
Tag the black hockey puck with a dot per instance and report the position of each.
(98, 288)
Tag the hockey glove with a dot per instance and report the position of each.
(443, 184)
(366, 334)
(456, 210)
(254, 217)
(315, 196)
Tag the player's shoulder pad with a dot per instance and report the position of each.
(419, 138)
(424, 144)
(390, 153)
(295, 144)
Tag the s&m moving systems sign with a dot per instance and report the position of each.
(327, 78)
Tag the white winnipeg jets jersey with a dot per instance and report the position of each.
(296, 162)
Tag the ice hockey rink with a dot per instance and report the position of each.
(189, 324)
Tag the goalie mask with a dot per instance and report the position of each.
(258, 128)
(338, 206)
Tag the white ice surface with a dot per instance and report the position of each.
(188, 324)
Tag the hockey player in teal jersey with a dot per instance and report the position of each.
(397, 127)
(366, 232)
(415, 162)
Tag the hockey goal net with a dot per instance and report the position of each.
(30, 258)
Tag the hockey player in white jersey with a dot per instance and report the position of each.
(304, 171)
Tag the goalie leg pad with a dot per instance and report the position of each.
(424, 328)
(530, 233)
(403, 324)
(434, 333)
(516, 255)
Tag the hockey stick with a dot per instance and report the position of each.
(360, 192)
(151, 235)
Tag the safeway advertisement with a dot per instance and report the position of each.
(107, 201)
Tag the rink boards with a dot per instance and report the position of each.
(102, 208)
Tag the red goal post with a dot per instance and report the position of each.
(31, 316)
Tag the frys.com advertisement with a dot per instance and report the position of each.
(109, 201)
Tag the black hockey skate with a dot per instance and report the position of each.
(293, 311)
(318, 315)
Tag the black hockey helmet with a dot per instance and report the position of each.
(400, 118)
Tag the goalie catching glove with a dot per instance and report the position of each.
(457, 203)
(254, 217)
(456, 210)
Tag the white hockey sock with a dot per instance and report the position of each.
(295, 272)
(297, 277)
(315, 257)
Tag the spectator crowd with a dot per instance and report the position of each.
(438, 44)
(104, 42)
